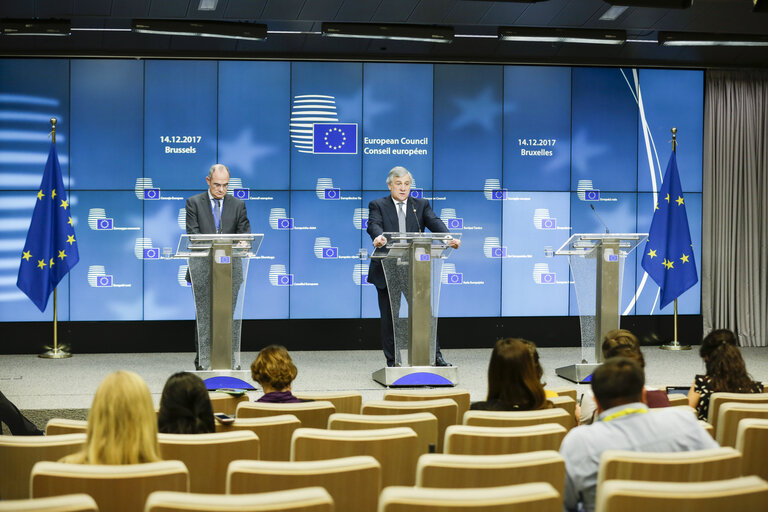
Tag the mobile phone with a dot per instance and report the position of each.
(223, 418)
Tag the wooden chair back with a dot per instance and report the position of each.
(396, 449)
(274, 433)
(520, 418)
(466, 471)
(19, 453)
(348, 402)
(207, 456)
(58, 426)
(445, 410)
(423, 423)
(565, 403)
(226, 403)
(310, 499)
(310, 414)
(719, 398)
(114, 488)
(729, 416)
(63, 503)
(471, 440)
(354, 483)
(752, 442)
(458, 395)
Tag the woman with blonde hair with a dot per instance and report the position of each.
(274, 370)
(513, 380)
(122, 424)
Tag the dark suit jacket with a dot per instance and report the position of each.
(382, 218)
(234, 217)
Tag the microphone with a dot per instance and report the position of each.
(600, 218)
(417, 218)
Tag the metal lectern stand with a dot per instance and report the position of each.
(413, 265)
(218, 267)
(597, 265)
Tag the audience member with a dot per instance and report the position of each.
(726, 371)
(613, 338)
(539, 369)
(185, 407)
(122, 424)
(624, 423)
(654, 398)
(513, 380)
(274, 370)
(16, 422)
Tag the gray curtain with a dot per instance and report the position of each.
(735, 225)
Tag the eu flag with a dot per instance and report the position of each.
(334, 138)
(668, 256)
(51, 248)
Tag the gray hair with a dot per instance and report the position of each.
(217, 167)
(398, 172)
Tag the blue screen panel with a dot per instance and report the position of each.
(323, 92)
(468, 126)
(325, 248)
(537, 127)
(604, 138)
(534, 281)
(689, 303)
(470, 280)
(671, 98)
(265, 296)
(619, 212)
(107, 98)
(254, 103)
(398, 119)
(29, 98)
(107, 283)
(167, 296)
(179, 123)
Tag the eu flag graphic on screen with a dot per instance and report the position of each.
(334, 138)
(668, 256)
(51, 248)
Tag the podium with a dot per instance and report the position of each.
(597, 266)
(413, 264)
(218, 267)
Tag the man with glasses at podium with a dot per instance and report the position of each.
(398, 213)
(214, 211)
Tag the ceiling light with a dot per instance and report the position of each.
(705, 39)
(613, 12)
(662, 4)
(562, 35)
(207, 5)
(219, 29)
(36, 27)
(399, 32)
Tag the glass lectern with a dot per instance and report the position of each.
(218, 267)
(413, 264)
(597, 265)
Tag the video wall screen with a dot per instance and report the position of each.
(514, 158)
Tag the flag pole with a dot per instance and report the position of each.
(674, 344)
(55, 352)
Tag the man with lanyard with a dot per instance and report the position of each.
(623, 423)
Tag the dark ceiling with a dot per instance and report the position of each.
(100, 27)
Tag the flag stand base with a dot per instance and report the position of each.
(674, 345)
(55, 353)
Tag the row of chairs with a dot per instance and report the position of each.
(354, 483)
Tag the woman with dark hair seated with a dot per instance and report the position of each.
(726, 371)
(185, 407)
(513, 382)
(274, 370)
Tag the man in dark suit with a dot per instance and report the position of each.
(398, 212)
(214, 211)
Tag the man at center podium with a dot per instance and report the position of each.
(398, 212)
(214, 211)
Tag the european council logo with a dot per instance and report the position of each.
(279, 277)
(278, 219)
(98, 278)
(542, 219)
(237, 190)
(334, 138)
(326, 191)
(144, 250)
(542, 275)
(493, 191)
(324, 250)
(145, 190)
(448, 216)
(586, 191)
(360, 274)
(450, 276)
(98, 221)
(492, 248)
(181, 219)
(360, 218)
(307, 110)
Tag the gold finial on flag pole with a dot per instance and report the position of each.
(55, 352)
(674, 344)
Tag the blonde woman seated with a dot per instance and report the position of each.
(274, 370)
(513, 381)
(122, 424)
